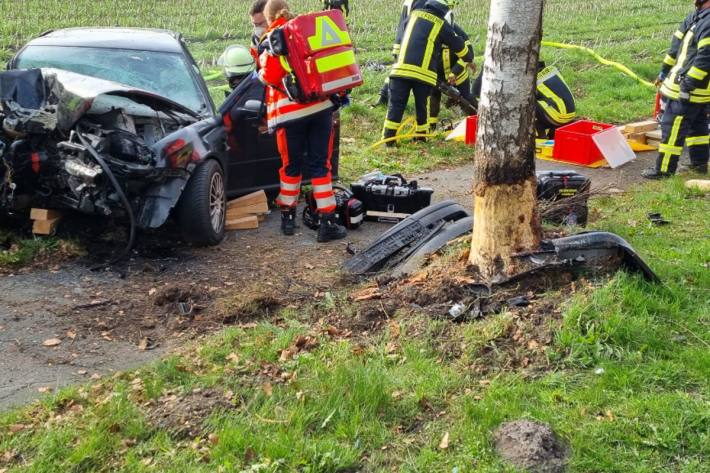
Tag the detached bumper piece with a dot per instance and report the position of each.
(404, 248)
(595, 249)
(403, 240)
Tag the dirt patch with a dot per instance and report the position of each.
(531, 446)
(184, 415)
(246, 306)
(175, 294)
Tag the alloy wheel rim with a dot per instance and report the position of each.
(217, 202)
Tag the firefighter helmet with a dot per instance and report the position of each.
(236, 60)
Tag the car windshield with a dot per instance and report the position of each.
(163, 73)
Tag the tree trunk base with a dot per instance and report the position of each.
(505, 223)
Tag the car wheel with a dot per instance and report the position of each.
(203, 205)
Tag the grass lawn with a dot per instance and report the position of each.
(625, 381)
(623, 378)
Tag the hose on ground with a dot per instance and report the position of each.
(121, 195)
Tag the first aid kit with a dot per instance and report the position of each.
(320, 55)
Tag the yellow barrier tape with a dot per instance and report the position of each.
(601, 60)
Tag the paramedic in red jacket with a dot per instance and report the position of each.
(304, 134)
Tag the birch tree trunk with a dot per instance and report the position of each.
(506, 220)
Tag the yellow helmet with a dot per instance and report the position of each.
(236, 60)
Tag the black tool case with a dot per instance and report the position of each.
(390, 198)
(563, 196)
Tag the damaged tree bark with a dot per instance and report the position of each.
(505, 204)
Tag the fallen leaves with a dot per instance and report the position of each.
(51, 342)
(15, 428)
(367, 294)
(444, 443)
(146, 343)
(300, 343)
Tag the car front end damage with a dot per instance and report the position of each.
(76, 142)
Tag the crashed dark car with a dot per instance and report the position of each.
(120, 123)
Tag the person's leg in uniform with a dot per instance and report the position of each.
(320, 151)
(422, 92)
(399, 95)
(434, 108)
(291, 144)
(544, 128)
(697, 142)
(675, 126)
(384, 93)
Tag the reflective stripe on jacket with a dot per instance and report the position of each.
(280, 109)
(554, 97)
(451, 64)
(686, 66)
(424, 35)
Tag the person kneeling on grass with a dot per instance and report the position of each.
(304, 135)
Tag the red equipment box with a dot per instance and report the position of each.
(574, 144)
(321, 54)
(471, 129)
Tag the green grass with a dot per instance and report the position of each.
(628, 386)
(627, 31)
(16, 251)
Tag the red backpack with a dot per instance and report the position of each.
(320, 54)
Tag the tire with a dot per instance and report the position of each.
(202, 207)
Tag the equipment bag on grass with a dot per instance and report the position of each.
(320, 56)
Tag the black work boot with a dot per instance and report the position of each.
(329, 229)
(699, 168)
(288, 221)
(389, 134)
(384, 95)
(653, 173)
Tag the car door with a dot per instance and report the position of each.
(253, 155)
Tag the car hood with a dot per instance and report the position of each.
(72, 94)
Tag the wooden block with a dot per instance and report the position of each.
(652, 142)
(241, 211)
(261, 217)
(653, 135)
(258, 197)
(702, 185)
(45, 227)
(640, 127)
(44, 214)
(243, 223)
(637, 137)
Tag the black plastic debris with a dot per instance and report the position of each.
(657, 219)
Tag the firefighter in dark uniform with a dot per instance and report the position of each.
(685, 84)
(407, 8)
(456, 73)
(554, 102)
(416, 67)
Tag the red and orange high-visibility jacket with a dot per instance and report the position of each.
(281, 110)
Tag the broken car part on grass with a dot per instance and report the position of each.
(404, 248)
